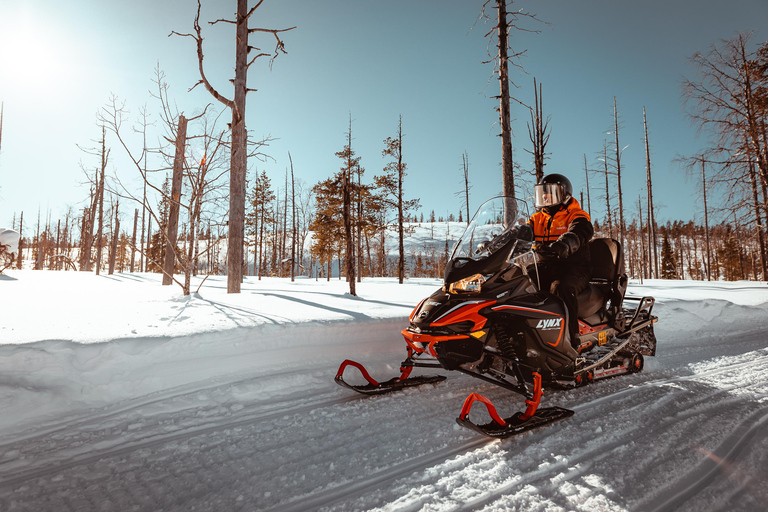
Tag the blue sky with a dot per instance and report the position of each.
(375, 61)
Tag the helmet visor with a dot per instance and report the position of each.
(548, 194)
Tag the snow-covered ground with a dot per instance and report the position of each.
(117, 394)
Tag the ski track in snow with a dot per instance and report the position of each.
(688, 433)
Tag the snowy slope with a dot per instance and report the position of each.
(118, 394)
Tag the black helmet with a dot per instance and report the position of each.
(553, 190)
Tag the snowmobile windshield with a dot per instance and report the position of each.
(489, 229)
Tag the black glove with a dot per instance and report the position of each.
(522, 232)
(560, 249)
(545, 249)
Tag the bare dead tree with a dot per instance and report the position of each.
(502, 56)
(350, 162)
(640, 236)
(586, 174)
(100, 199)
(706, 217)
(651, 220)
(133, 238)
(86, 230)
(759, 226)
(465, 172)
(537, 132)
(239, 138)
(145, 153)
(115, 237)
(293, 221)
(608, 212)
(200, 179)
(727, 100)
(305, 214)
(617, 160)
(173, 215)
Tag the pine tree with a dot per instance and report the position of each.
(157, 248)
(668, 265)
(328, 226)
(259, 215)
(392, 190)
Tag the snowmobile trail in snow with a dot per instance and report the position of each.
(572, 463)
(686, 433)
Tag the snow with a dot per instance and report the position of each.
(119, 394)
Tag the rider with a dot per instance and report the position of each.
(563, 230)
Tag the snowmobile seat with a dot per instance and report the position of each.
(591, 300)
(608, 276)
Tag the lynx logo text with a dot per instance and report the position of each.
(548, 324)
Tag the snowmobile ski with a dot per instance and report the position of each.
(379, 388)
(519, 422)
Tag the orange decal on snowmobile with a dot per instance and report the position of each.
(466, 312)
(585, 328)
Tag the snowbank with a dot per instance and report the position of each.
(118, 394)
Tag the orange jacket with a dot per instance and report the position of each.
(548, 228)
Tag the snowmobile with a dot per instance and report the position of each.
(491, 321)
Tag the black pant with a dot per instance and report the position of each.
(566, 282)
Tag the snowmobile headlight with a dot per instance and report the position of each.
(471, 284)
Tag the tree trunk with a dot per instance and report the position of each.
(586, 174)
(283, 245)
(758, 219)
(57, 250)
(642, 238)
(508, 176)
(465, 165)
(21, 240)
(99, 233)
(115, 236)
(293, 221)
(607, 191)
(349, 256)
(86, 237)
(173, 215)
(133, 238)
(239, 155)
(400, 217)
(618, 171)
(651, 219)
(537, 132)
(359, 225)
(706, 219)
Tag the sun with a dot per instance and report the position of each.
(33, 58)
